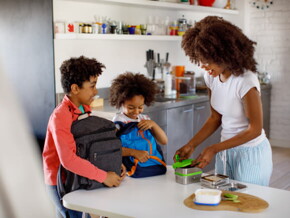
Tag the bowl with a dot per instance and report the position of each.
(207, 196)
(208, 3)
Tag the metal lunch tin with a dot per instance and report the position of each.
(214, 180)
(187, 175)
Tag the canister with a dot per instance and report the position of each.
(187, 175)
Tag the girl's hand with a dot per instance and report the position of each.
(142, 156)
(184, 152)
(205, 156)
(146, 124)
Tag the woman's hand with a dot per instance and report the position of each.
(184, 152)
(146, 124)
(205, 156)
(140, 155)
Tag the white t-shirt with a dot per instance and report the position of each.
(124, 119)
(226, 99)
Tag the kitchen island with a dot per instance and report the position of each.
(161, 196)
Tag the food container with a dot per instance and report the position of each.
(232, 186)
(214, 180)
(211, 197)
(187, 175)
(185, 85)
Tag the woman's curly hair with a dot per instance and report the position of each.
(79, 70)
(218, 41)
(127, 85)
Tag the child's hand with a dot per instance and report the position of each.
(146, 124)
(123, 171)
(142, 156)
(112, 179)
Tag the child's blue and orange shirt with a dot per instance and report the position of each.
(60, 146)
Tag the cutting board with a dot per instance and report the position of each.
(248, 203)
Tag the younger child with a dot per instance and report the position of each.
(78, 78)
(142, 155)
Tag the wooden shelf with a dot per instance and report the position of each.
(163, 5)
(79, 36)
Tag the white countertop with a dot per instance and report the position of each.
(162, 197)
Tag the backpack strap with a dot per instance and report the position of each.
(126, 128)
(60, 185)
(134, 167)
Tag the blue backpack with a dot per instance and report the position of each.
(134, 138)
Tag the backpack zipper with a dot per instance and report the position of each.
(96, 154)
(95, 132)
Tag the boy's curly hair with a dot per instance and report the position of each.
(79, 70)
(127, 85)
(218, 41)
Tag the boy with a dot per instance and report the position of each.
(78, 78)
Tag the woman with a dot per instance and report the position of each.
(244, 153)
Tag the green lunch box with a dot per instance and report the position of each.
(186, 174)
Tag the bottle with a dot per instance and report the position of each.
(168, 84)
(182, 26)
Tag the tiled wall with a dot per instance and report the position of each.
(270, 28)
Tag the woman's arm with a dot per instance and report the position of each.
(253, 111)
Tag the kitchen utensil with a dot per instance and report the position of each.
(150, 63)
(248, 203)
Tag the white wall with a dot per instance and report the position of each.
(271, 30)
(121, 56)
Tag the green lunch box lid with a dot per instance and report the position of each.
(183, 163)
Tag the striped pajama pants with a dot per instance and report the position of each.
(247, 164)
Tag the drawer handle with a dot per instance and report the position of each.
(199, 108)
(187, 111)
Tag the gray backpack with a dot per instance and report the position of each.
(97, 142)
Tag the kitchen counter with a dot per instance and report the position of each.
(161, 196)
(107, 111)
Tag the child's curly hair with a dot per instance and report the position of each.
(79, 70)
(127, 85)
(218, 41)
